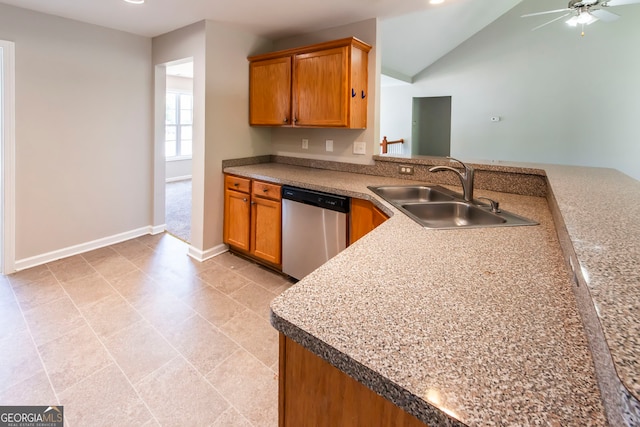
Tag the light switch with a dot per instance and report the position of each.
(359, 147)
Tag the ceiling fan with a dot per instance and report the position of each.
(584, 12)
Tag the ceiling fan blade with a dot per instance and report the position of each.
(619, 2)
(546, 12)
(605, 15)
(551, 22)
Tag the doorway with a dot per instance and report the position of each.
(431, 130)
(178, 148)
(7, 157)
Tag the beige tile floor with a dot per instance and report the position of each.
(140, 334)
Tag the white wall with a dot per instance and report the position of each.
(178, 169)
(83, 131)
(287, 141)
(562, 98)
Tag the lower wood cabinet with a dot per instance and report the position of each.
(252, 218)
(266, 234)
(365, 216)
(312, 392)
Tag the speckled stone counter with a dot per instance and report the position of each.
(475, 327)
(598, 211)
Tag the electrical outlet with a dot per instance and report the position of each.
(329, 143)
(405, 170)
(305, 144)
(359, 147)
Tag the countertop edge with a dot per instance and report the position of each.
(366, 376)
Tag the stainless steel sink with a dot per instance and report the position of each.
(412, 193)
(438, 207)
(451, 215)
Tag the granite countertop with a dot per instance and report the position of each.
(474, 327)
(600, 210)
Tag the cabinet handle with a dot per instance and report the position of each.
(363, 95)
(265, 190)
(353, 93)
(285, 120)
(236, 184)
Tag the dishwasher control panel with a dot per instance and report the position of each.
(332, 202)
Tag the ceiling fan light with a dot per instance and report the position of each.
(573, 21)
(135, 1)
(586, 18)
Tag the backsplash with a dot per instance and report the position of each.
(505, 179)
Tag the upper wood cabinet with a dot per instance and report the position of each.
(270, 92)
(323, 85)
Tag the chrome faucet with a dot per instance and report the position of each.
(466, 177)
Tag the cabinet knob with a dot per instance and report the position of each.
(244, 199)
(265, 190)
(295, 120)
(253, 203)
(285, 120)
(236, 184)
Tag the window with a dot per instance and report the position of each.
(178, 126)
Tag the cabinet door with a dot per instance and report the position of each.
(359, 83)
(237, 223)
(270, 92)
(377, 216)
(364, 218)
(266, 235)
(320, 88)
(312, 392)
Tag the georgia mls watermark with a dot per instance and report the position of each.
(31, 416)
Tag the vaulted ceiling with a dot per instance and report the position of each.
(414, 32)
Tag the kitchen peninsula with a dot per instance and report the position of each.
(456, 327)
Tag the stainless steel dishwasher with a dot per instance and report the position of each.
(314, 229)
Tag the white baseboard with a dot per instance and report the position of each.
(202, 256)
(157, 229)
(85, 247)
(178, 178)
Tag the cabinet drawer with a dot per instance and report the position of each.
(269, 191)
(237, 183)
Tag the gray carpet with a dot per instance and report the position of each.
(178, 209)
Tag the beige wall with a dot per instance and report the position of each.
(221, 122)
(228, 134)
(83, 131)
(187, 42)
(89, 125)
(287, 141)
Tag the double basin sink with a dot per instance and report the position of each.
(438, 207)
